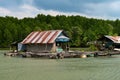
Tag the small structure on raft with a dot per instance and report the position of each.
(50, 44)
(13, 49)
(108, 45)
(46, 43)
(108, 42)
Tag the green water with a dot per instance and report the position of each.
(101, 68)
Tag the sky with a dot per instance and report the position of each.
(101, 9)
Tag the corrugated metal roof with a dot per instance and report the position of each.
(115, 39)
(42, 37)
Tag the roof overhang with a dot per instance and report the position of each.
(114, 39)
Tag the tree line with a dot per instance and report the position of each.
(80, 29)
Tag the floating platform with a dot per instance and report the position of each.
(74, 54)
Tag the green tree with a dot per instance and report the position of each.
(76, 35)
(7, 38)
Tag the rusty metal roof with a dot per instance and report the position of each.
(115, 39)
(42, 37)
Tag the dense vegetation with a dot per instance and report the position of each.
(80, 29)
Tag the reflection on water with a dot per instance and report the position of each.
(100, 68)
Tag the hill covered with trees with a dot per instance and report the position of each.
(80, 29)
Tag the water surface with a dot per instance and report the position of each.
(100, 68)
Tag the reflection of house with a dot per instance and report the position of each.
(110, 41)
(46, 41)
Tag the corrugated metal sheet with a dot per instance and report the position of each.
(115, 39)
(42, 37)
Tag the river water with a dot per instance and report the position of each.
(100, 68)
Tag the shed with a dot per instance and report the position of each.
(110, 41)
(46, 41)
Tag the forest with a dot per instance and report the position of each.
(80, 29)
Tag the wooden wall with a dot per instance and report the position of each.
(40, 47)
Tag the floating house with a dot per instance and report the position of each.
(109, 42)
(46, 41)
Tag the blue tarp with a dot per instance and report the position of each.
(21, 47)
(62, 39)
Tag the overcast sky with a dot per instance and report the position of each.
(104, 9)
